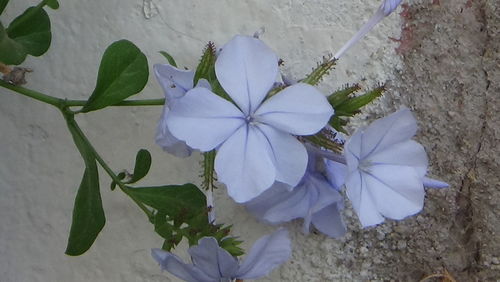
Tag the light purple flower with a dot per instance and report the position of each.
(211, 263)
(253, 137)
(386, 170)
(175, 83)
(385, 9)
(316, 199)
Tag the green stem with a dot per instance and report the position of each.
(61, 103)
(42, 4)
(68, 115)
(145, 102)
(108, 170)
(56, 102)
(120, 184)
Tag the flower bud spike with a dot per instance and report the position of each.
(387, 7)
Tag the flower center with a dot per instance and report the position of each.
(251, 120)
(365, 165)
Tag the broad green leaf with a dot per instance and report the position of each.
(31, 30)
(162, 227)
(88, 214)
(142, 165)
(11, 52)
(173, 200)
(169, 58)
(123, 72)
(3, 4)
(53, 4)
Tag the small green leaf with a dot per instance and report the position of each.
(53, 4)
(88, 214)
(11, 52)
(120, 176)
(32, 30)
(123, 72)
(3, 4)
(169, 58)
(173, 200)
(206, 67)
(142, 165)
(320, 71)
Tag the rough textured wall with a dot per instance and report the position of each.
(444, 69)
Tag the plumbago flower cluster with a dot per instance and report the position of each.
(278, 145)
(280, 151)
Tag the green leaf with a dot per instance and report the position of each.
(320, 71)
(32, 30)
(88, 214)
(173, 200)
(3, 4)
(162, 227)
(169, 58)
(142, 165)
(120, 176)
(11, 52)
(206, 67)
(53, 4)
(123, 72)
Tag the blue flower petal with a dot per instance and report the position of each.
(265, 255)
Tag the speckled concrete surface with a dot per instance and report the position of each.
(446, 69)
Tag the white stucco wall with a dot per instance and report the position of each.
(40, 168)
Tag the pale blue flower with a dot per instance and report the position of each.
(316, 199)
(175, 83)
(386, 170)
(385, 9)
(211, 263)
(253, 137)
